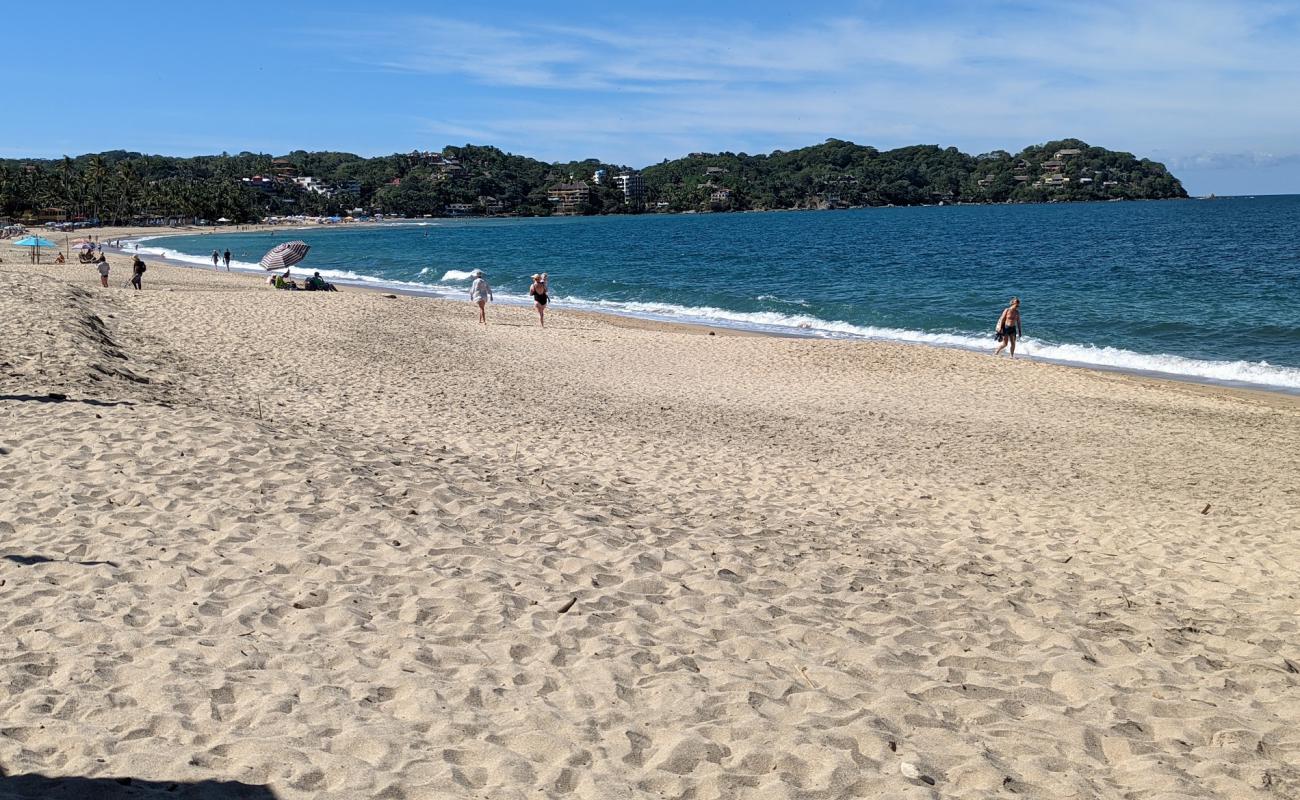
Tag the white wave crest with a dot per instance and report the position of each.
(1255, 373)
(1249, 373)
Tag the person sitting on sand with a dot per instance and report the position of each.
(540, 296)
(318, 284)
(103, 271)
(285, 281)
(1008, 329)
(59, 260)
(480, 292)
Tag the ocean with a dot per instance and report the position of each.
(1200, 289)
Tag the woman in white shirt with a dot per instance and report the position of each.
(480, 293)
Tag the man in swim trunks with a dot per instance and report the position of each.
(1009, 327)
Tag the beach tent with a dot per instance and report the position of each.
(223, 219)
(36, 242)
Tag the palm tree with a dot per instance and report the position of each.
(126, 189)
(97, 175)
(66, 173)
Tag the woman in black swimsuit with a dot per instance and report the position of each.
(1009, 327)
(540, 298)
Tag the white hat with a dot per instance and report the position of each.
(478, 273)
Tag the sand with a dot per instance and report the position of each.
(272, 544)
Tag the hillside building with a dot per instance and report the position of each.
(569, 199)
(633, 186)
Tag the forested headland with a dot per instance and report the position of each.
(121, 186)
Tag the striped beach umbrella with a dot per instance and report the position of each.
(285, 255)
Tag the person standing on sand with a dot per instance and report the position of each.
(226, 256)
(540, 296)
(480, 292)
(1009, 327)
(215, 258)
(102, 264)
(137, 273)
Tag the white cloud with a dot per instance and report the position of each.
(1175, 78)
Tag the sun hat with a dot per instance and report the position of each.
(478, 273)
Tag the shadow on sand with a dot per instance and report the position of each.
(55, 397)
(74, 788)
(27, 561)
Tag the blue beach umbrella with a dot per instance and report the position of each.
(37, 242)
(34, 241)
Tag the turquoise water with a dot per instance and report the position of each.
(1201, 289)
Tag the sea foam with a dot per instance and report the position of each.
(1255, 373)
(1248, 373)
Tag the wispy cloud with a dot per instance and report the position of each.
(1234, 161)
(1174, 77)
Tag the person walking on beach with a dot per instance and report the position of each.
(226, 256)
(215, 258)
(102, 264)
(1009, 327)
(137, 273)
(480, 292)
(540, 298)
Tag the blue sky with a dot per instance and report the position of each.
(1210, 88)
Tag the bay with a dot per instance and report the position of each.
(1208, 290)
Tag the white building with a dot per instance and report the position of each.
(633, 186)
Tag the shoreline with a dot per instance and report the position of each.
(432, 293)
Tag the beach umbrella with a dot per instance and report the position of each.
(37, 242)
(223, 219)
(284, 255)
(34, 241)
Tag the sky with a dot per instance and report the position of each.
(1211, 89)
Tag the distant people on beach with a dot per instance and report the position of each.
(102, 265)
(216, 257)
(480, 292)
(1008, 330)
(226, 257)
(540, 296)
(59, 259)
(137, 273)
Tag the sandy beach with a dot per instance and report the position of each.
(257, 543)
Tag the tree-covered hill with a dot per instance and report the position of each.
(120, 186)
(839, 173)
